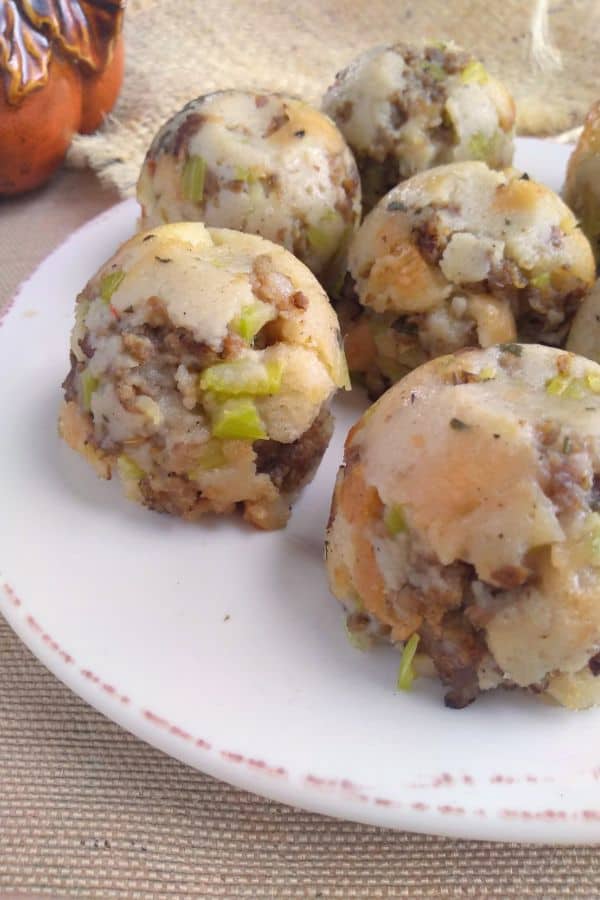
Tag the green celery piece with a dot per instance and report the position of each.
(406, 672)
(359, 639)
(591, 539)
(110, 283)
(322, 238)
(89, 383)
(557, 385)
(243, 376)
(564, 386)
(129, 469)
(394, 519)
(211, 457)
(480, 146)
(330, 215)
(238, 420)
(474, 72)
(250, 176)
(541, 281)
(252, 318)
(592, 380)
(194, 173)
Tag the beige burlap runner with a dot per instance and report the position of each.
(178, 50)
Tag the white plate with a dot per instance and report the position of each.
(222, 646)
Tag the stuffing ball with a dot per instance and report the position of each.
(265, 164)
(403, 109)
(457, 256)
(582, 187)
(466, 517)
(203, 362)
(584, 336)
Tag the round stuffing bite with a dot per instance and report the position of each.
(265, 164)
(582, 185)
(461, 255)
(203, 362)
(466, 522)
(405, 108)
(584, 336)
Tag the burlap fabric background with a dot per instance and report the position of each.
(178, 49)
(86, 810)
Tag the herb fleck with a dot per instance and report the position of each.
(148, 238)
(300, 133)
(396, 206)
(515, 349)
(162, 259)
(567, 445)
(458, 424)
(525, 177)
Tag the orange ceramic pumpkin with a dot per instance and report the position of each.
(61, 67)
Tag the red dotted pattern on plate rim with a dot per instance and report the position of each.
(348, 788)
(104, 686)
(447, 780)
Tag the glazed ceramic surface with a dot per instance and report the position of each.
(222, 645)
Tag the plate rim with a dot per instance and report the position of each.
(338, 798)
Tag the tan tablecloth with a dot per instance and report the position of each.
(88, 810)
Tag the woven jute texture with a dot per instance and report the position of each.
(179, 50)
(87, 810)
